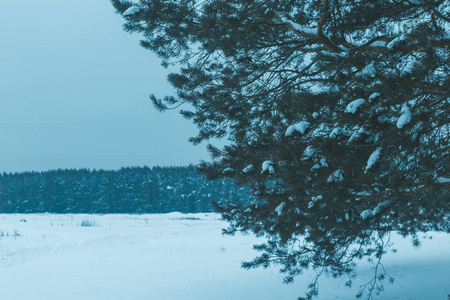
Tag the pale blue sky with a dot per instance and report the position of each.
(74, 92)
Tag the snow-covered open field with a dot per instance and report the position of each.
(176, 256)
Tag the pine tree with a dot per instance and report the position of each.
(337, 113)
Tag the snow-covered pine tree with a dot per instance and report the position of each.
(337, 114)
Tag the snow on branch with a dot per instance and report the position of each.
(279, 208)
(353, 106)
(370, 213)
(298, 28)
(131, 11)
(405, 118)
(337, 176)
(248, 169)
(443, 180)
(299, 127)
(268, 166)
(374, 157)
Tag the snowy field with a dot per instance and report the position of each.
(176, 256)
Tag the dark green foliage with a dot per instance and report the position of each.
(128, 190)
(277, 78)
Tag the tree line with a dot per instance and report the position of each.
(128, 190)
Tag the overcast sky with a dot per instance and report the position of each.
(74, 92)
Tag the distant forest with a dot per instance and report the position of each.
(128, 190)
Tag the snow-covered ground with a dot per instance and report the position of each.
(176, 256)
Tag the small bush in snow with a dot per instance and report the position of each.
(88, 223)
